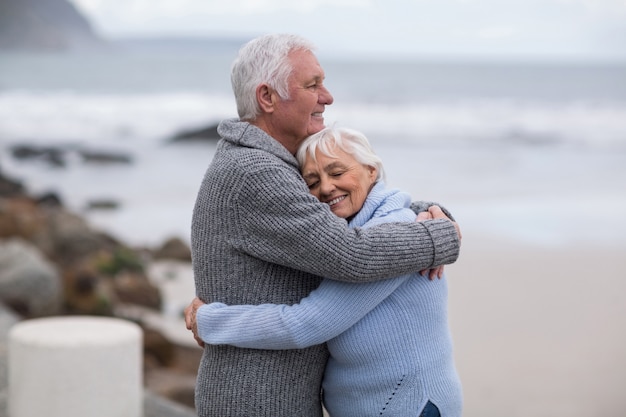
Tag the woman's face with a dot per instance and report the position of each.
(341, 182)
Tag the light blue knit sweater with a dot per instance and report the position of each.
(390, 344)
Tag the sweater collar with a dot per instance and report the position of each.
(381, 201)
(244, 134)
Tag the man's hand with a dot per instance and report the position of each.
(190, 319)
(435, 212)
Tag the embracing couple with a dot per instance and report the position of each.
(315, 283)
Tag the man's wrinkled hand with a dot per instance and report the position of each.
(435, 212)
(433, 273)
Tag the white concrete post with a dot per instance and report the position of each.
(75, 366)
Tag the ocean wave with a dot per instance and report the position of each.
(130, 120)
(495, 121)
(105, 119)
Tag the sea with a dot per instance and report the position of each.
(533, 151)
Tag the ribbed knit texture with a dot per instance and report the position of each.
(390, 344)
(258, 236)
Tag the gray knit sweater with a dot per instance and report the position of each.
(259, 236)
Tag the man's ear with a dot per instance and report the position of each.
(265, 96)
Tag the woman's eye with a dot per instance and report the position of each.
(312, 185)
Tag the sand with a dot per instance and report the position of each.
(539, 331)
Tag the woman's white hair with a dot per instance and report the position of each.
(348, 140)
(263, 60)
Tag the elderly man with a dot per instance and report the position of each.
(259, 236)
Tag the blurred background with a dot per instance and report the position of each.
(512, 114)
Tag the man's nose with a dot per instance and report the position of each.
(326, 97)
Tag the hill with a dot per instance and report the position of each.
(44, 25)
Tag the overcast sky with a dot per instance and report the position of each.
(555, 29)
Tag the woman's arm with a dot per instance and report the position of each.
(328, 311)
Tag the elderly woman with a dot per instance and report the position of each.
(389, 341)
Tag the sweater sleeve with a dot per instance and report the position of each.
(325, 313)
(282, 223)
(420, 206)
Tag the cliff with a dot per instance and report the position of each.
(44, 25)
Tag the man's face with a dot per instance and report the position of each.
(301, 115)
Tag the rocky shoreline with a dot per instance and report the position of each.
(52, 262)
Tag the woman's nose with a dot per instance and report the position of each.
(326, 187)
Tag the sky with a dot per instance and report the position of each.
(495, 29)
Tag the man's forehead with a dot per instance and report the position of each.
(305, 64)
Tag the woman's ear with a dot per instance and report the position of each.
(265, 97)
(373, 173)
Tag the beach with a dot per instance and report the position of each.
(539, 331)
(532, 166)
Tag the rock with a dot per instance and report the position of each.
(135, 288)
(158, 350)
(174, 249)
(105, 157)
(176, 380)
(201, 134)
(29, 284)
(67, 237)
(158, 406)
(57, 232)
(85, 291)
(172, 384)
(10, 187)
(54, 156)
(57, 155)
(49, 199)
(21, 217)
(106, 279)
(102, 204)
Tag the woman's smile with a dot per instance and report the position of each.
(335, 200)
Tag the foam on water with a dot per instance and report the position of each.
(109, 119)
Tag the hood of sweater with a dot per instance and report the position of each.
(247, 135)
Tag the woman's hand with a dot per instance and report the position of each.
(190, 319)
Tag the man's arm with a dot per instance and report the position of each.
(284, 224)
(423, 206)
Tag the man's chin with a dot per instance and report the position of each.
(316, 127)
